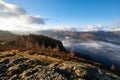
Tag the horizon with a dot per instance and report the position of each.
(72, 15)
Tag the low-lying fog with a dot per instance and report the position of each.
(106, 53)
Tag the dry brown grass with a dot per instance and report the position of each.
(41, 57)
(48, 57)
(38, 57)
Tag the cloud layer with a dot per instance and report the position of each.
(116, 26)
(94, 28)
(13, 17)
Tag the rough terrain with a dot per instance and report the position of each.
(26, 66)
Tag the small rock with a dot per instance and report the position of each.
(51, 65)
(80, 73)
(56, 74)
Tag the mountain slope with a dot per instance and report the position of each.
(22, 65)
(29, 42)
(4, 35)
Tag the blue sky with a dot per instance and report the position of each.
(77, 13)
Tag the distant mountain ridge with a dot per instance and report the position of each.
(61, 34)
(106, 36)
(71, 33)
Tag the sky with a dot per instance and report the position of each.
(86, 15)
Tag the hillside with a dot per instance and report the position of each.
(38, 66)
(4, 35)
(39, 57)
(30, 42)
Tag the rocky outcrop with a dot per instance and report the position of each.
(21, 68)
(34, 42)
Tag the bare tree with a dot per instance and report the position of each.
(36, 45)
(72, 52)
(42, 46)
(112, 67)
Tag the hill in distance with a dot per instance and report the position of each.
(4, 35)
(26, 42)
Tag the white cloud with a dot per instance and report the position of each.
(10, 9)
(99, 27)
(94, 28)
(89, 28)
(115, 26)
(65, 28)
(13, 17)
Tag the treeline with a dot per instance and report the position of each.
(24, 42)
